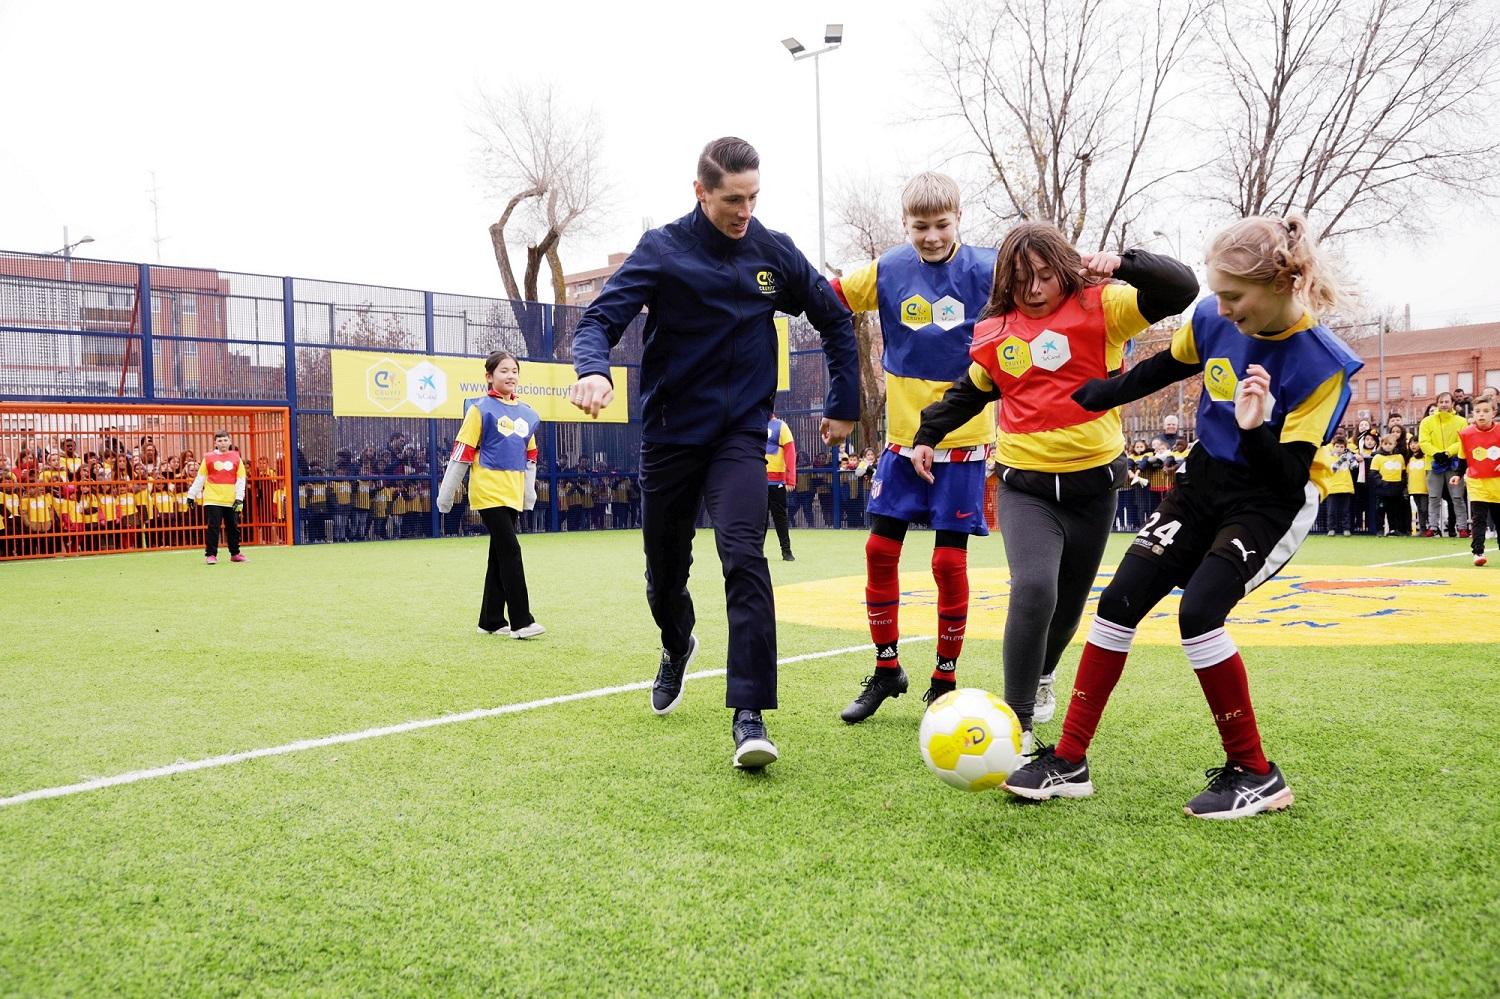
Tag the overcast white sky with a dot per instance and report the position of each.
(331, 140)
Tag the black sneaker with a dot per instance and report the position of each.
(878, 686)
(753, 749)
(1050, 776)
(666, 692)
(1234, 792)
(938, 689)
(788, 557)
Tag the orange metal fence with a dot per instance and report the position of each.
(90, 479)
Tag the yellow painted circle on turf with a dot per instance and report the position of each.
(1308, 605)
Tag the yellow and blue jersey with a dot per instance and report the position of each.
(1309, 369)
(499, 436)
(927, 314)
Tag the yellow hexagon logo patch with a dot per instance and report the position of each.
(916, 312)
(1014, 355)
(1219, 379)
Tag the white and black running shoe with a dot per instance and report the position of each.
(753, 749)
(666, 691)
(1050, 776)
(1234, 792)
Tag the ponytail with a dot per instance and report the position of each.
(1282, 253)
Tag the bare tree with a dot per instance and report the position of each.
(1062, 122)
(866, 224)
(1355, 112)
(543, 157)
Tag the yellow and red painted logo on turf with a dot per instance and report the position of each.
(1310, 605)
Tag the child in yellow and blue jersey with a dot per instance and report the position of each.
(1388, 470)
(1275, 384)
(928, 290)
(1335, 471)
(496, 446)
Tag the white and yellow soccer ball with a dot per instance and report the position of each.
(971, 739)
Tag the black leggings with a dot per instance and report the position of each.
(1140, 583)
(895, 530)
(506, 600)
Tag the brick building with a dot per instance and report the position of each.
(1419, 364)
(584, 287)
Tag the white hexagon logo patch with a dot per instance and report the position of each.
(948, 312)
(1050, 350)
(426, 386)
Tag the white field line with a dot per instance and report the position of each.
(1428, 558)
(300, 745)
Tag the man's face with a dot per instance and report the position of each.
(1170, 423)
(933, 236)
(1445, 403)
(221, 442)
(67, 447)
(730, 205)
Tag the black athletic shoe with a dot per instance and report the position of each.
(878, 686)
(938, 689)
(1050, 776)
(1234, 792)
(666, 692)
(788, 557)
(753, 749)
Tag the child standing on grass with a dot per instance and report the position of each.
(929, 291)
(1416, 483)
(220, 487)
(1388, 469)
(1275, 384)
(496, 446)
(1481, 449)
(1338, 485)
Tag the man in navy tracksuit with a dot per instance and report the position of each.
(712, 282)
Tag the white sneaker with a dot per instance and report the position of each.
(530, 631)
(1046, 703)
(1028, 743)
(502, 632)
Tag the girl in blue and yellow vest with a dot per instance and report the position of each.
(1054, 320)
(1336, 464)
(498, 439)
(1275, 384)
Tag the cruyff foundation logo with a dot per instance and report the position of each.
(1309, 605)
(766, 282)
(390, 385)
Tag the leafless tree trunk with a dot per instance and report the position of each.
(1061, 120)
(1355, 112)
(544, 159)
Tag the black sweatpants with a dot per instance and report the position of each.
(729, 475)
(1052, 550)
(1482, 515)
(776, 500)
(505, 578)
(212, 517)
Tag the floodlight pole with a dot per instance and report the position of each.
(798, 54)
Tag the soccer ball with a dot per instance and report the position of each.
(971, 739)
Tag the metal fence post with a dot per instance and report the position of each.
(294, 444)
(148, 361)
(435, 525)
(552, 483)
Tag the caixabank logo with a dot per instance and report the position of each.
(426, 386)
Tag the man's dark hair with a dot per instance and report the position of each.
(727, 155)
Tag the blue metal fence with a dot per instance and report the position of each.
(84, 330)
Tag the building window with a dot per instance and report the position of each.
(1372, 389)
(1441, 383)
(1419, 386)
(190, 305)
(1492, 378)
(1466, 381)
(1393, 387)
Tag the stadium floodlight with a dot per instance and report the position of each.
(833, 36)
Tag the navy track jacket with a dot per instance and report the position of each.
(708, 364)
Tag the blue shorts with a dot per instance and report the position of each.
(953, 502)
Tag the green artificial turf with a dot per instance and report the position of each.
(592, 848)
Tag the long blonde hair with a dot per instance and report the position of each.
(1279, 252)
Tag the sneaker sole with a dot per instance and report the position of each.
(1278, 802)
(692, 652)
(530, 634)
(502, 632)
(754, 754)
(1056, 791)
